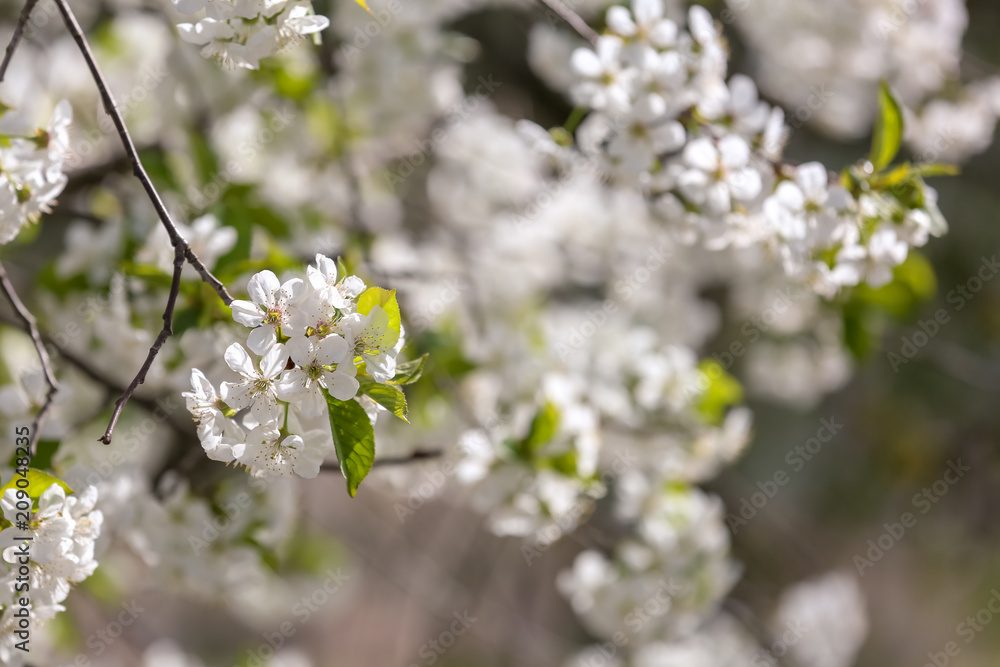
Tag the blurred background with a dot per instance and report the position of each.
(904, 421)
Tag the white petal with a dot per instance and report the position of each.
(647, 11)
(274, 361)
(790, 196)
(315, 277)
(743, 92)
(663, 34)
(293, 289)
(717, 198)
(745, 184)
(266, 411)
(702, 154)
(700, 24)
(261, 339)
(291, 384)
(262, 287)
(239, 360)
(300, 349)
(669, 137)
(312, 402)
(619, 20)
(586, 63)
(247, 313)
(236, 394)
(327, 267)
(331, 350)
(735, 151)
(609, 49)
(352, 286)
(812, 178)
(204, 31)
(341, 385)
(306, 25)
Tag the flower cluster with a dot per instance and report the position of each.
(708, 153)
(316, 339)
(238, 33)
(63, 530)
(681, 553)
(31, 172)
(627, 243)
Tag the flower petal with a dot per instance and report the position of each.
(247, 313)
(261, 339)
(239, 360)
(274, 361)
(262, 287)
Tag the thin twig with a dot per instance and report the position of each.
(416, 455)
(574, 20)
(161, 338)
(15, 39)
(182, 249)
(31, 326)
(184, 428)
(140, 172)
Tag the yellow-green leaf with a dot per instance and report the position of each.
(888, 129)
(409, 372)
(543, 429)
(38, 483)
(389, 396)
(386, 299)
(723, 390)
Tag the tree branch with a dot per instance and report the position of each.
(574, 20)
(416, 455)
(165, 332)
(31, 326)
(15, 39)
(147, 404)
(182, 249)
(140, 172)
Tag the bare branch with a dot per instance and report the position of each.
(574, 20)
(416, 455)
(15, 39)
(184, 428)
(140, 172)
(31, 326)
(182, 250)
(165, 332)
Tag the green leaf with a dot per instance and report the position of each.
(935, 169)
(377, 296)
(364, 5)
(723, 391)
(353, 439)
(38, 483)
(409, 372)
(888, 130)
(544, 427)
(564, 463)
(389, 396)
(913, 284)
(907, 172)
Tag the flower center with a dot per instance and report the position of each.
(274, 315)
